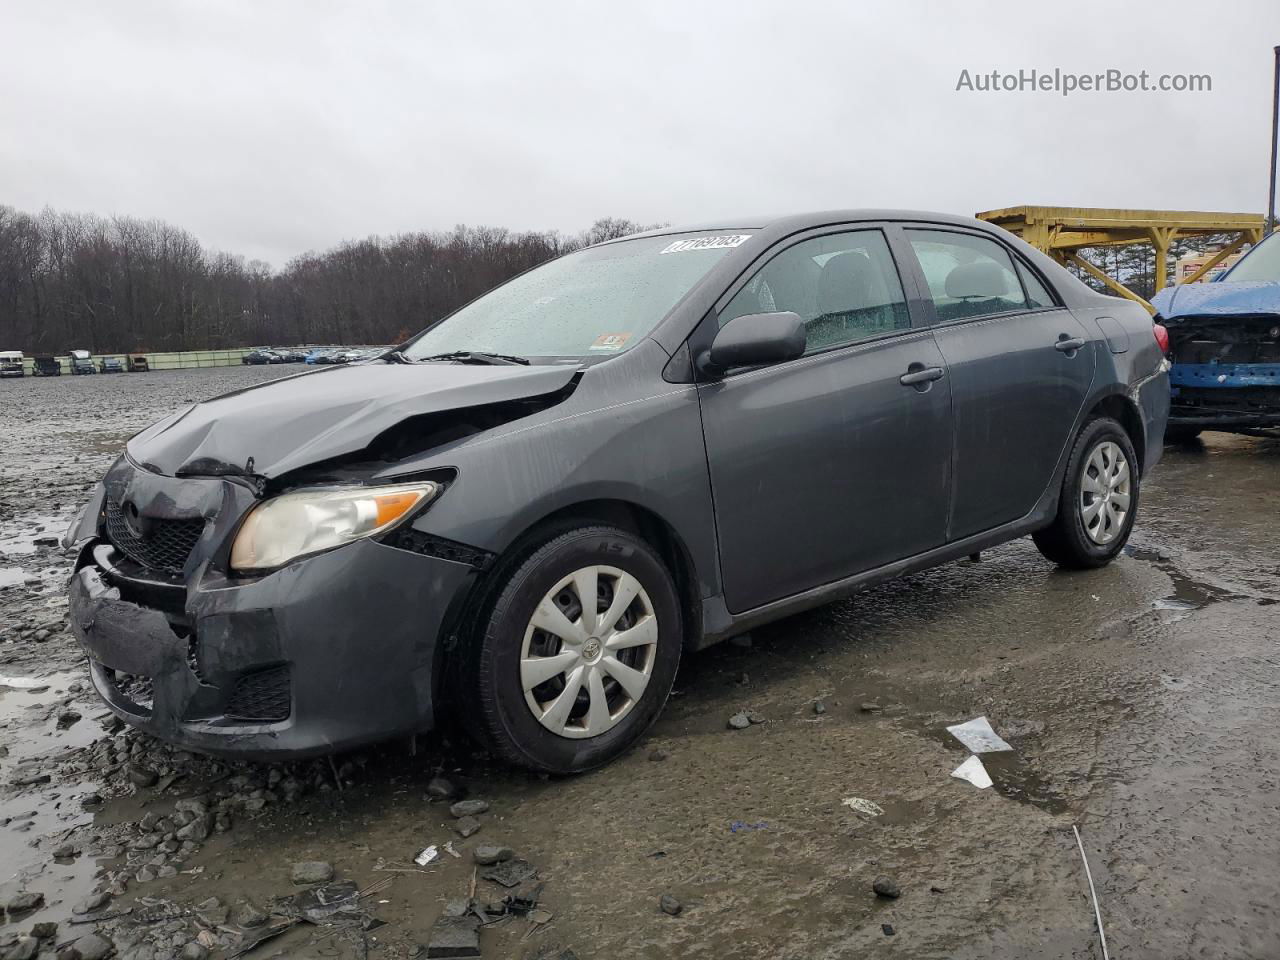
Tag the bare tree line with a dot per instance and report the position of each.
(117, 284)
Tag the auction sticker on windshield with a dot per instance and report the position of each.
(610, 341)
(705, 243)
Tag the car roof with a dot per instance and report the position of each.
(790, 223)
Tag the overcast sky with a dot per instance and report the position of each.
(270, 128)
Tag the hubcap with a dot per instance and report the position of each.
(1105, 492)
(588, 652)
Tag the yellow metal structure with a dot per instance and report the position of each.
(1062, 232)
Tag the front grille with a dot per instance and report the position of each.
(262, 696)
(166, 545)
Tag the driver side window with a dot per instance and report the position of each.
(844, 286)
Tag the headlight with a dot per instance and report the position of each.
(309, 521)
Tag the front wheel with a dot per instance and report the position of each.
(578, 653)
(1099, 499)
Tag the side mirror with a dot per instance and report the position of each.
(753, 340)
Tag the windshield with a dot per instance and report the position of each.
(597, 302)
(1262, 263)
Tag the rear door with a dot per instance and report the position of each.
(827, 465)
(1020, 366)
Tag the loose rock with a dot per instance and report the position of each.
(95, 901)
(441, 788)
(142, 776)
(198, 829)
(658, 755)
(819, 707)
(23, 903)
(670, 905)
(739, 721)
(487, 855)
(314, 871)
(467, 826)
(469, 808)
(89, 947)
(250, 915)
(885, 887)
(870, 707)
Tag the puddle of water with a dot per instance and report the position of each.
(1011, 775)
(22, 683)
(28, 709)
(22, 541)
(32, 825)
(38, 818)
(1188, 595)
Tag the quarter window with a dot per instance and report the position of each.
(844, 286)
(968, 276)
(1037, 295)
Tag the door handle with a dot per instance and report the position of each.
(917, 375)
(1067, 344)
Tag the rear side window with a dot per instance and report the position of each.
(844, 286)
(1037, 295)
(968, 276)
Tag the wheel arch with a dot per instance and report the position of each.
(645, 523)
(1124, 411)
(627, 515)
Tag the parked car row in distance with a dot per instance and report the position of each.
(313, 355)
(78, 362)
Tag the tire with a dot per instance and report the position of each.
(1177, 434)
(541, 729)
(1072, 540)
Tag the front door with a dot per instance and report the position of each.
(1020, 367)
(830, 464)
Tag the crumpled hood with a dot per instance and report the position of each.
(290, 423)
(1246, 298)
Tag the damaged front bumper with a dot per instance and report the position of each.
(330, 652)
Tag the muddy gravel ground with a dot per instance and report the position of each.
(1141, 702)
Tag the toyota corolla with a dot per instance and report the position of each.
(526, 515)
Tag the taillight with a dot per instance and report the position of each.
(1162, 336)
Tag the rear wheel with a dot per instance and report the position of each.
(578, 652)
(1099, 499)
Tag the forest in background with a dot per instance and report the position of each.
(117, 284)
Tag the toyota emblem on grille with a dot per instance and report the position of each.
(137, 524)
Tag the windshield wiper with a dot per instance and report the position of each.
(396, 356)
(477, 356)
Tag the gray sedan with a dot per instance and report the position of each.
(527, 514)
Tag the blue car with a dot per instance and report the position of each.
(1224, 342)
(316, 355)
